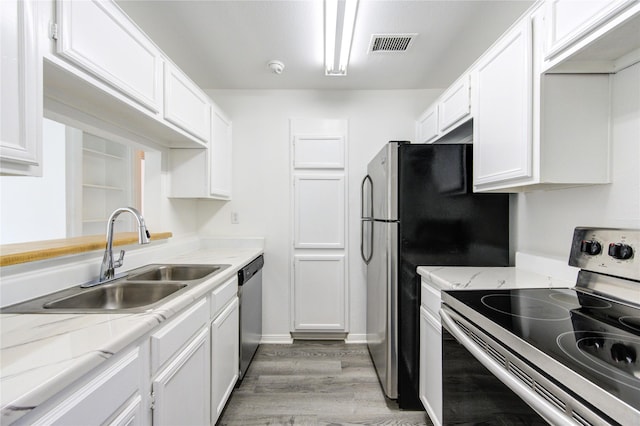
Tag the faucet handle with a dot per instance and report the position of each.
(118, 263)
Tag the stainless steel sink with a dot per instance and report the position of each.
(141, 290)
(175, 272)
(116, 296)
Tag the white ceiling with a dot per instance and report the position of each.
(226, 44)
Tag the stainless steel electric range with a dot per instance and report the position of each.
(559, 356)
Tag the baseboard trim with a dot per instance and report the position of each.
(276, 339)
(356, 338)
(314, 335)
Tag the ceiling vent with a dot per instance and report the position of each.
(391, 42)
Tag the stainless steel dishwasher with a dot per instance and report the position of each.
(250, 295)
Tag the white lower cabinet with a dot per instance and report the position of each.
(182, 373)
(319, 293)
(225, 347)
(180, 392)
(431, 366)
(430, 388)
(112, 397)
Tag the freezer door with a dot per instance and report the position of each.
(383, 171)
(382, 272)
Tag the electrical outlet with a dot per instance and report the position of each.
(234, 218)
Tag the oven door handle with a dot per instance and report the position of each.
(541, 406)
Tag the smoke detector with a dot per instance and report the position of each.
(276, 66)
(391, 42)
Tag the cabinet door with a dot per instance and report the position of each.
(567, 21)
(319, 211)
(130, 414)
(185, 105)
(104, 397)
(455, 105)
(225, 353)
(428, 125)
(220, 159)
(181, 391)
(319, 292)
(502, 126)
(20, 89)
(101, 39)
(431, 366)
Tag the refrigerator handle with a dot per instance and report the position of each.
(364, 219)
(366, 258)
(362, 215)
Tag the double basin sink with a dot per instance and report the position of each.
(140, 290)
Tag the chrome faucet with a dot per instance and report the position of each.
(107, 269)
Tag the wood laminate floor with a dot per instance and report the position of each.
(314, 383)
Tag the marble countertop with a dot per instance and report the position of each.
(41, 354)
(472, 278)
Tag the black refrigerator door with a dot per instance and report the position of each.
(442, 222)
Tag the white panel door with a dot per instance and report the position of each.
(20, 90)
(569, 20)
(428, 126)
(455, 105)
(220, 152)
(182, 390)
(502, 127)
(319, 292)
(319, 211)
(431, 366)
(325, 152)
(185, 105)
(225, 354)
(100, 38)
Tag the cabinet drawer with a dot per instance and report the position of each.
(430, 298)
(96, 401)
(174, 335)
(222, 295)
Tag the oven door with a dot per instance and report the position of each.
(482, 382)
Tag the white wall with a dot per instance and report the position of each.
(545, 220)
(23, 199)
(261, 175)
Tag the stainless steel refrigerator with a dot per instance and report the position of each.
(418, 208)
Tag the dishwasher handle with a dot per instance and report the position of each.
(250, 270)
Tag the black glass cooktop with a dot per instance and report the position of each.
(597, 338)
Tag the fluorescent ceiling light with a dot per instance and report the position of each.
(339, 22)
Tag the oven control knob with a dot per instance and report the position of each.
(591, 247)
(623, 353)
(620, 251)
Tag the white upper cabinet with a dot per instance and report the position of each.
(428, 125)
(185, 105)
(455, 105)
(204, 173)
(447, 113)
(99, 37)
(220, 155)
(591, 35)
(20, 89)
(502, 117)
(529, 126)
